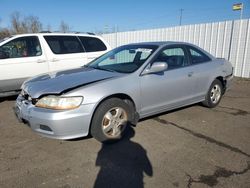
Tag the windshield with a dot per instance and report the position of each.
(124, 59)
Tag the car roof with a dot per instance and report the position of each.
(160, 43)
(56, 33)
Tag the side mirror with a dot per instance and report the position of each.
(156, 67)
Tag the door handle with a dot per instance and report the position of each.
(41, 61)
(54, 60)
(190, 74)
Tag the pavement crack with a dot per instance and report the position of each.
(201, 136)
(212, 180)
(237, 97)
(231, 111)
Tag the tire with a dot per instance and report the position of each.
(110, 120)
(214, 94)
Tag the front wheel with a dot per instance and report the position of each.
(214, 94)
(110, 120)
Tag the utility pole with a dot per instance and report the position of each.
(181, 10)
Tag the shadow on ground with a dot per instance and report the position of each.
(10, 98)
(122, 164)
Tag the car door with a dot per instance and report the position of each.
(202, 69)
(171, 88)
(66, 52)
(21, 58)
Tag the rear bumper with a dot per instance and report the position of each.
(58, 124)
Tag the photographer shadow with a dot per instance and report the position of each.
(122, 164)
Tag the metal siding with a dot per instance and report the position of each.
(181, 36)
(238, 63)
(208, 37)
(243, 47)
(202, 35)
(214, 39)
(228, 39)
(220, 39)
(196, 34)
(191, 33)
(234, 46)
(227, 36)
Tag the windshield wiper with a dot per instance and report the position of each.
(105, 69)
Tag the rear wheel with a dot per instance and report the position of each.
(214, 94)
(110, 120)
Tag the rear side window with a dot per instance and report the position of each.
(64, 44)
(21, 47)
(92, 44)
(197, 56)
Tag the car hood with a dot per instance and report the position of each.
(64, 81)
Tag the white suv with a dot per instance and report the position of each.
(27, 55)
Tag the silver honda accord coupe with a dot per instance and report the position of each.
(115, 90)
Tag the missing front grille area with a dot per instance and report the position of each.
(26, 96)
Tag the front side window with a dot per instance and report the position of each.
(174, 57)
(21, 47)
(64, 44)
(125, 59)
(92, 44)
(197, 56)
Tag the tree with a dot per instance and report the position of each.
(16, 23)
(64, 27)
(48, 28)
(4, 32)
(33, 25)
(28, 24)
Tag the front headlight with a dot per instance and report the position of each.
(59, 103)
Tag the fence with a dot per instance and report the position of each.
(228, 39)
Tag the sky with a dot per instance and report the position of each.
(110, 15)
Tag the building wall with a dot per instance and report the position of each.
(228, 39)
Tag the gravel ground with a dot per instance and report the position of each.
(189, 147)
